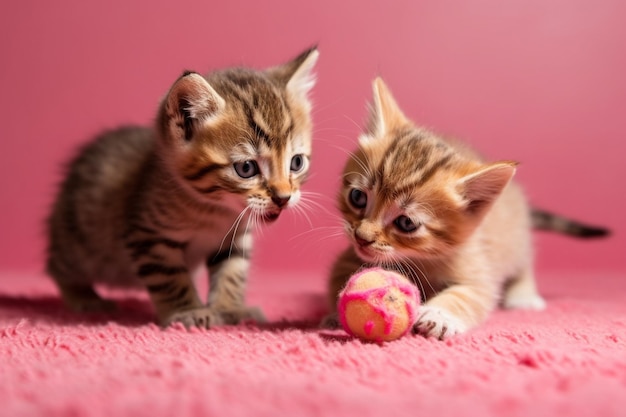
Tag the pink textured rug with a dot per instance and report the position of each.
(568, 361)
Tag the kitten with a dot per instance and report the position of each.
(149, 206)
(436, 212)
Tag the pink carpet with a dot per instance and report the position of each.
(568, 361)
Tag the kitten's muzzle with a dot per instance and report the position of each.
(271, 216)
(363, 246)
(363, 243)
(281, 201)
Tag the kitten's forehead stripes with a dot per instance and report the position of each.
(401, 147)
(263, 103)
(434, 167)
(404, 188)
(411, 150)
(258, 131)
(278, 122)
(280, 118)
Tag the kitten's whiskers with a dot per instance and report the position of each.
(233, 229)
(417, 273)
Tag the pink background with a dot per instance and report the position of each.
(540, 82)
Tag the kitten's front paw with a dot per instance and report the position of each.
(199, 317)
(207, 317)
(437, 322)
(85, 300)
(238, 315)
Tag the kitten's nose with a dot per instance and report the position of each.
(280, 201)
(362, 242)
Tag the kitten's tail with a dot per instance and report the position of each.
(544, 220)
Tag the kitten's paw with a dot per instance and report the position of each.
(203, 317)
(437, 322)
(242, 314)
(83, 299)
(90, 305)
(207, 317)
(525, 302)
(330, 322)
(521, 293)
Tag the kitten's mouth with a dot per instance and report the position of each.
(365, 253)
(371, 256)
(271, 216)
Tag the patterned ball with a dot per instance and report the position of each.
(378, 305)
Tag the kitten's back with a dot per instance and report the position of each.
(92, 201)
(111, 158)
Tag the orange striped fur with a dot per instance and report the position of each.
(436, 212)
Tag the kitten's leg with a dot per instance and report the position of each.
(521, 292)
(173, 294)
(347, 264)
(83, 298)
(456, 309)
(79, 297)
(159, 263)
(228, 274)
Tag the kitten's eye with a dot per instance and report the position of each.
(404, 224)
(358, 198)
(246, 169)
(297, 163)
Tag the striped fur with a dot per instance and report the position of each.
(436, 212)
(150, 206)
(543, 220)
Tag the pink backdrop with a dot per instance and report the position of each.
(540, 82)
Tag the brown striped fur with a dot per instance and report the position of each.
(150, 206)
(544, 220)
(435, 211)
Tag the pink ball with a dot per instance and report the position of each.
(378, 305)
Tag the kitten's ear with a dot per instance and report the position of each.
(297, 75)
(385, 113)
(480, 189)
(190, 102)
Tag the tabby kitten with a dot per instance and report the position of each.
(436, 212)
(149, 206)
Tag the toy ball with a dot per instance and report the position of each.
(378, 305)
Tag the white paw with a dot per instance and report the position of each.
(526, 302)
(439, 323)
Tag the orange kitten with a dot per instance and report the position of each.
(435, 211)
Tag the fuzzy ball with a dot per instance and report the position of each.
(378, 305)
